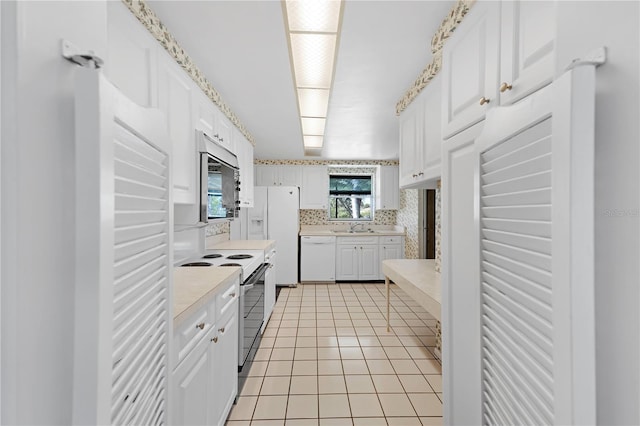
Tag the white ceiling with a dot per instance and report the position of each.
(242, 49)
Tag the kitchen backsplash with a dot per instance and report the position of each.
(408, 217)
(326, 162)
(320, 217)
(217, 228)
(438, 228)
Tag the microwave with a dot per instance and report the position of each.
(219, 180)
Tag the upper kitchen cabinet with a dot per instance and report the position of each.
(500, 53)
(421, 139)
(387, 188)
(175, 98)
(278, 175)
(212, 121)
(244, 152)
(315, 187)
(470, 68)
(223, 133)
(527, 48)
(132, 56)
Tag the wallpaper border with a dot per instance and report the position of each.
(142, 11)
(447, 27)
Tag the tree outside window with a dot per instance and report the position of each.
(350, 197)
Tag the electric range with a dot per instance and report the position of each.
(248, 260)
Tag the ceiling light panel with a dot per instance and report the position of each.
(313, 15)
(313, 126)
(311, 141)
(313, 102)
(313, 59)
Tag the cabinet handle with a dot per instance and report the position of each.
(200, 326)
(215, 339)
(232, 295)
(414, 175)
(420, 174)
(221, 330)
(484, 100)
(504, 87)
(355, 248)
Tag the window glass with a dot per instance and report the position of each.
(350, 197)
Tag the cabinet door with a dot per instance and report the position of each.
(315, 187)
(347, 262)
(410, 143)
(244, 151)
(269, 290)
(432, 135)
(266, 175)
(224, 130)
(290, 175)
(224, 367)
(192, 385)
(388, 189)
(132, 56)
(204, 114)
(368, 263)
(388, 251)
(461, 293)
(470, 69)
(175, 100)
(527, 47)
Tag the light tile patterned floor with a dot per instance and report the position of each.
(326, 358)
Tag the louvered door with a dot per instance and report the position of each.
(535, 162)
(123, 212)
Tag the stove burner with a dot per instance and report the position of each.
(197, 264)
(212, 256)
(240, 256)
(230, 264)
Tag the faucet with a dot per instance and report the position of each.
(352, 227)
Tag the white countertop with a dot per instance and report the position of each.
(343, 230)
(244, 245)
(193, 287)
(419, 279)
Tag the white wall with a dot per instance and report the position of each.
(584, 26)
(38, 204)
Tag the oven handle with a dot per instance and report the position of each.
(255, 277)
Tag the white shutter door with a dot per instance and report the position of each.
(536, 242)
(123, 251)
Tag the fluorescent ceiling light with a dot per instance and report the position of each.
(311, 141)
(313, 27)
(313, 16)
(313, 102)
(313, 126)
(313, 59)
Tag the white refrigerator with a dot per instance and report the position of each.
(275, 216)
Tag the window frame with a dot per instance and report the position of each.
(370, 194)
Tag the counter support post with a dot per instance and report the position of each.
(386, 283)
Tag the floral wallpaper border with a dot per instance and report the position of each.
(152, 23)
(263, 162)
(447, 27)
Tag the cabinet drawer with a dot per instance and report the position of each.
(189, 333)
(395, 239)
(357, 240)
(226, 297)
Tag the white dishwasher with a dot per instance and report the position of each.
(317, 258)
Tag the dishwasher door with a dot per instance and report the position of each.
(317, 258)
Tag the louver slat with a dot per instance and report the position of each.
(140, 305)
(517, 315)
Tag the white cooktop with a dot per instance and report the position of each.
(248, 265)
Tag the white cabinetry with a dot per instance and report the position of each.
(420, 139)
(470, 68)
(315, 187)
(527, 48)
(357, 259)
(278, 175)
(390, 247)
(176, 101)
(244, 151)
(132, 56)
(501, 48)
(205, 382)
(387, 188)
(223, 131)
(269, 286)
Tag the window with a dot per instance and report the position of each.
(350, 197)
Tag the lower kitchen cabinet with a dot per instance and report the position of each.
(357, 259)
(269, 288)
(205, 382)
(391, 247)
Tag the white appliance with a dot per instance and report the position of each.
(317, 258)
(275, 216)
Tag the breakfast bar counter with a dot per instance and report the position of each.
(417, 278)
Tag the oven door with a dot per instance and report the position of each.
(251, 314)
